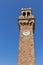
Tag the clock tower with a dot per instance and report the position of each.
(26, 42)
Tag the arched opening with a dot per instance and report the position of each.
(21, 23)
(28, 13)
(24, 14)
(24, 23)
(31, 23)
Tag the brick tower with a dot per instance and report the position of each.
(26, 43)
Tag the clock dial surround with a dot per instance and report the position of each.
(26, 32)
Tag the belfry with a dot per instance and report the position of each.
(26, 23)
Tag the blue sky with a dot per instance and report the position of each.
(9, 30)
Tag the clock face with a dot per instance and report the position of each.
(26, 32)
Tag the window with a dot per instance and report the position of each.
(28, 13)
(24, 14)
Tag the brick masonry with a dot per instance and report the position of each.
(26, 43)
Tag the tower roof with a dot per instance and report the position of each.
(26, 14)
(26, 9)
